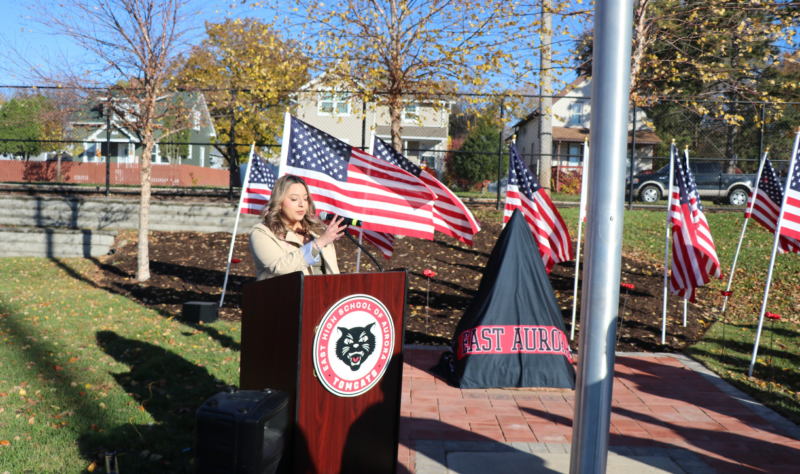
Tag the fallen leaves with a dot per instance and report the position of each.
(5, 443)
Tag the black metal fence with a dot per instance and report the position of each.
(49, 140)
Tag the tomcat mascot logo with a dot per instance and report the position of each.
(353, 345)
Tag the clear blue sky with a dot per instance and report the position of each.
(19, 33)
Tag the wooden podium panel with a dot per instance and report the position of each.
(333, 434)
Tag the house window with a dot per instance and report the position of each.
(331, 104)
(575, 114)
(410, 113)
(195, 120)
(575, 154)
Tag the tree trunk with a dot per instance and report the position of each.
(396, 114)
(546, 101)
(732, 134)
(143, 254)
(640, 40)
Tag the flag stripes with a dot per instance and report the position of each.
(450, 216)
(258, 187)
(347, 181)
(694, 257)
(546, 224)
(766, 203)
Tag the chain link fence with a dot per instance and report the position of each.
(54, 138)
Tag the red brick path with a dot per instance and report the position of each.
(657, 402)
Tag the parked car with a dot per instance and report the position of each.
(733, 189)
(54, 157)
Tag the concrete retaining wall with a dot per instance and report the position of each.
(104, 214)
(49, 242)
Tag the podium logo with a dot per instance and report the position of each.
(353, 345)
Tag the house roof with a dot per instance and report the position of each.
(92, 114)
(569, 88)
(433, 133)
(564, 134)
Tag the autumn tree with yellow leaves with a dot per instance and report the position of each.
(724, 51)
(393, 52)
(247, 72)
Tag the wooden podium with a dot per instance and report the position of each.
(332, 434)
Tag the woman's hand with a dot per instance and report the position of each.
(332, 232)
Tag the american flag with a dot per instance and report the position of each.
(384, 242)
(525, 193)
(258, 187)
(790, 224)
(694, 257)
(766, 203)
(450, 216)
(346, 181)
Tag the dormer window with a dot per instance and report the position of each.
(334, 104)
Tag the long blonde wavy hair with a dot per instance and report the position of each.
(271, 213)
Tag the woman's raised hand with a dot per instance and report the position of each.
(334, 230)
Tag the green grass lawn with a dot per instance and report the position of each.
(83, 371)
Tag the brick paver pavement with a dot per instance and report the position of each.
(658, 402)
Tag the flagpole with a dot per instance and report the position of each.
(666, 245)
(685, 301)
(792, 164)
(287, 136)
(581, 216)
(361, 231)
(236, 221)
(744, 226)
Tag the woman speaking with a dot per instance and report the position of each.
(290, 237)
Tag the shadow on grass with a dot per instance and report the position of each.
(165, 385)
(138, 293)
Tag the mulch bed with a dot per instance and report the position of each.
(187, 266)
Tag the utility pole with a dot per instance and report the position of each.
(611, 79)
(546, 96)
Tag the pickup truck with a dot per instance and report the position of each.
(732, 189)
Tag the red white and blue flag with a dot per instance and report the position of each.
(790, 224)
(450, 216)
(694, 257)
(549, 230)
(258, 187)
(766, 209)
(347, 181)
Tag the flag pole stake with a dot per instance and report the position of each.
(581, 217)
(685, 310)
(792, 164)
(672, 152)
(236, 223)
(754, 196)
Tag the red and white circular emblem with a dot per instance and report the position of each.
(353, 345)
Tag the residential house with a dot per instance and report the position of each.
(424, 132)
(192, 145)
(571, 111)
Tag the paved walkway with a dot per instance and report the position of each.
(664, 406)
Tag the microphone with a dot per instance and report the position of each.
(327, 216)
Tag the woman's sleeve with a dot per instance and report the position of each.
(268, 254)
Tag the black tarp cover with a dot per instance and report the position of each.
(512, 334)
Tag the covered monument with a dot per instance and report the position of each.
(512, 334)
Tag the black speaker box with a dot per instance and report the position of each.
(196, 311)
(243, 431)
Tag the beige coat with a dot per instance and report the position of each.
(275, 257)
